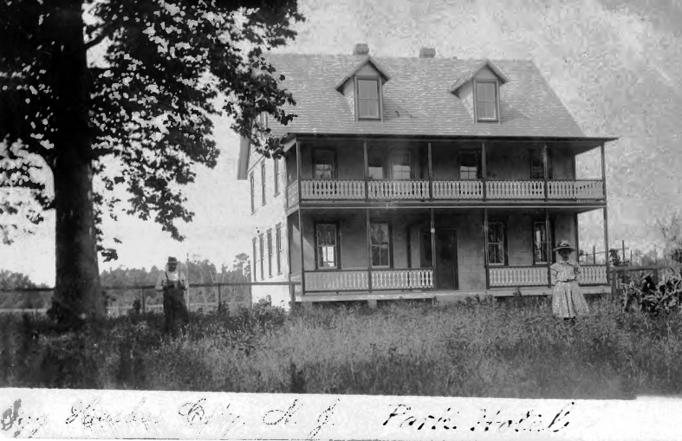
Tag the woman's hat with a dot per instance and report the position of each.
(564, 245)
(172, 260)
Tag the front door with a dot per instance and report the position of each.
(446, 258)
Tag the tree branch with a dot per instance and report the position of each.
(105, 31)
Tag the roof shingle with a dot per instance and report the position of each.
(418, 99)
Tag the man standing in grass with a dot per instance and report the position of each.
(173, 283)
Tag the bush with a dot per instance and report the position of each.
(646, 295)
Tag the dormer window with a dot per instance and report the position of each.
(486, 99)
(368, 98)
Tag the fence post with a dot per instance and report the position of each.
(143, 301)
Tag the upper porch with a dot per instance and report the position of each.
(359, 171)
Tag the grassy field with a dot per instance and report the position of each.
(468, 349)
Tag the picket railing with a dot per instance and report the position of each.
(402, 279)
(345, 280)
(515, 189)
(517, 276)
(387, 189)
(354, 189)
(457, 190)
(325, 189)
(593, 275)
(583, 189)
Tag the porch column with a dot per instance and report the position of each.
(434, 261)
(300, 231)
(548, 246)
(485, 248)
(484, 172)
(369, 250)
(603, 169)
(365, 170)
(430, 171)
(300, 214)
(545, 171)
(298, 172)
(577, 236)
(606, 246)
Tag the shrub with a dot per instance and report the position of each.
(653, 298)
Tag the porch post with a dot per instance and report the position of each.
(300, 214)
(369, 250)
(545, 171)
(298, 171)
(300, 231)
(430, 171)
(484, 171)
(365, 171)
(577, 236)
(434, 261)
(548, 247)
(606, 245)
(603, 169)
(485, 248)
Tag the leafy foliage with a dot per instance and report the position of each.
(157, 73)
(645, 294)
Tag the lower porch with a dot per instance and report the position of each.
(385, 254)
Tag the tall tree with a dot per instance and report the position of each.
(123, 91)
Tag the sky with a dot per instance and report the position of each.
(615, 64)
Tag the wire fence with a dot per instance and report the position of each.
(122, 300)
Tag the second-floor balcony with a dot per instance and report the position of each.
(445, 190)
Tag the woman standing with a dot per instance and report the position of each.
(567, 300)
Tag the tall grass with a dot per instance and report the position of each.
(468, 349)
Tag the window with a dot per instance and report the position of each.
(536, 168)
(469, 165)
(401, 166)
(269, 240)
(262, 181)
(496, 243)
(486, 100)
(262, 120)
(275, 173)
(324, 164)
(540, 241)
(260, 256)
(252, 183)
(380, 237)
(375, 166)
(326, 246)
(278, 247)
(254, 259)
(368, 101)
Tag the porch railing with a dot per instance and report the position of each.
(457, 189)
(517, 276)
(332, 189)
(354, 189)
(593, 275)
(357, 280)
(510, 276)
(402, 279)
(345, 280)
(387, 189)
(583, 189)
(515, 189)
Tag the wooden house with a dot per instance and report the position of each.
(419, 177)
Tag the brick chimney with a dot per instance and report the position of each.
(361, 49)
(427, 52)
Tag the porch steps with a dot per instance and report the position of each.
(440, 296)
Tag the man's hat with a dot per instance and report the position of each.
(172, 259)
(564, 245)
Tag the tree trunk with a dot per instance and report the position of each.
(78, 297)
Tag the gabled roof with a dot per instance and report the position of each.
(367, 60)
(468, 76)
(418, 100)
